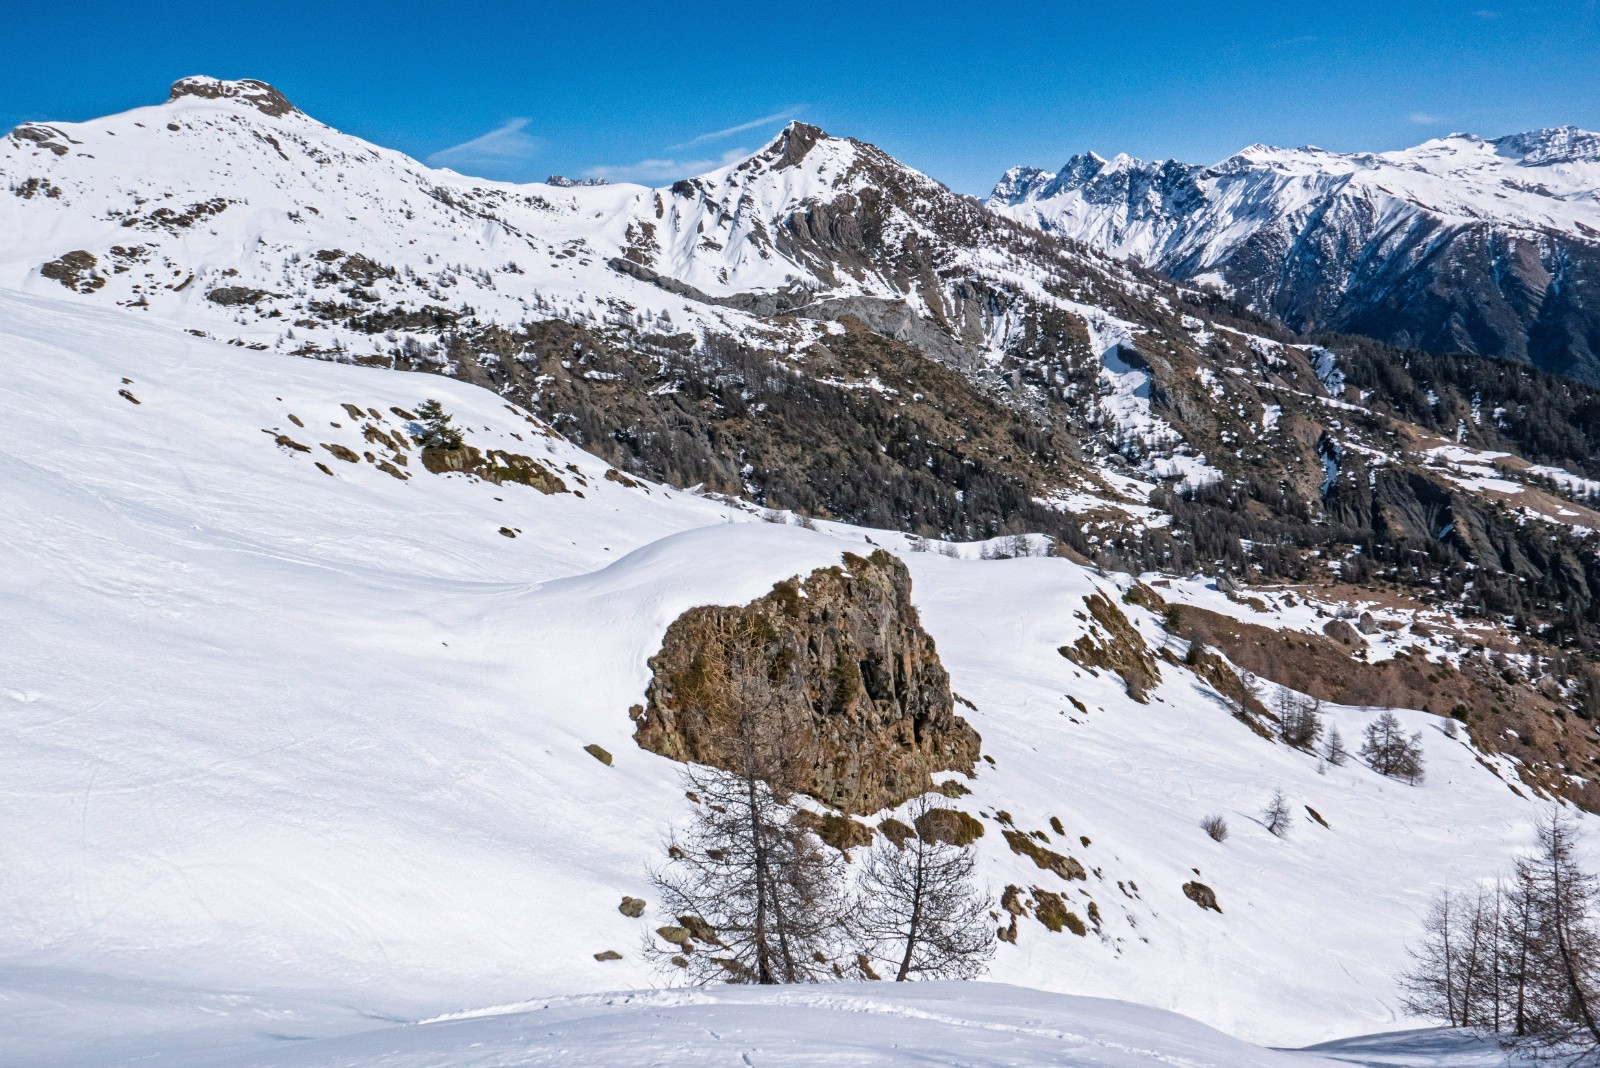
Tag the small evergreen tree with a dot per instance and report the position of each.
(438, 432)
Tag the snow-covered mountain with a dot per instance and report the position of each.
(299, 712)
(1460, 244)
(821, 328)
(205, 211)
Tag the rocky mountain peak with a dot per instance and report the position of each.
(1560, 144)
(791, 146)
(1019, 183)
(257, 94)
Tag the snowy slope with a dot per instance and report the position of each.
(853, 1024)
(213, 190)
(313, 742)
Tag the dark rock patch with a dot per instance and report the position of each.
(841, 669)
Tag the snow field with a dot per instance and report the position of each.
(307, 745)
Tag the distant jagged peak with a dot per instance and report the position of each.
(1084, 163)
(257, 94)
(1021, 183)
(1558, 144)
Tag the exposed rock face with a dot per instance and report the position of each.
(948, 825)
(46, 137)
(497, 466)
(233, 296)
(76, 271)
(797, 139)
(259, 95)
(835, 670)
(1202, 895)
(1068, 868)
(1120, 649)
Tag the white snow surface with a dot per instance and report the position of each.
(289, 751)
(858, 1025)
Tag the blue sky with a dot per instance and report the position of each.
(655, 91)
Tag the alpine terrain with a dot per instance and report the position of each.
(409, 575)
(1460, 244)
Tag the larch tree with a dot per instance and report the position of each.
(1388, 750)
(756, 894)
(920, 910)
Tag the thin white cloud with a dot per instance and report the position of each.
(508, 143)
(658, 170)
(717, 135)
(1291, 42)
(1486, 13)
(1422, 118)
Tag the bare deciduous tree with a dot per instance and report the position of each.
(1388, 750)
(1277, 816)
(1299, 719)
(1456, 968)
(920, 910)
(756, 894)
(1430, 982)
(1522, 958)
(1565, 947)
(1333, 748)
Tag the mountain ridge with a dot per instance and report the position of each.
(819, 328)
(1459, 244)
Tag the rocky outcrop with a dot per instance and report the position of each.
(496, 466)
(1202, 895)
(1119, 648)
(834, 672)
(234, 296)
(259, 95)
(76, 271)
